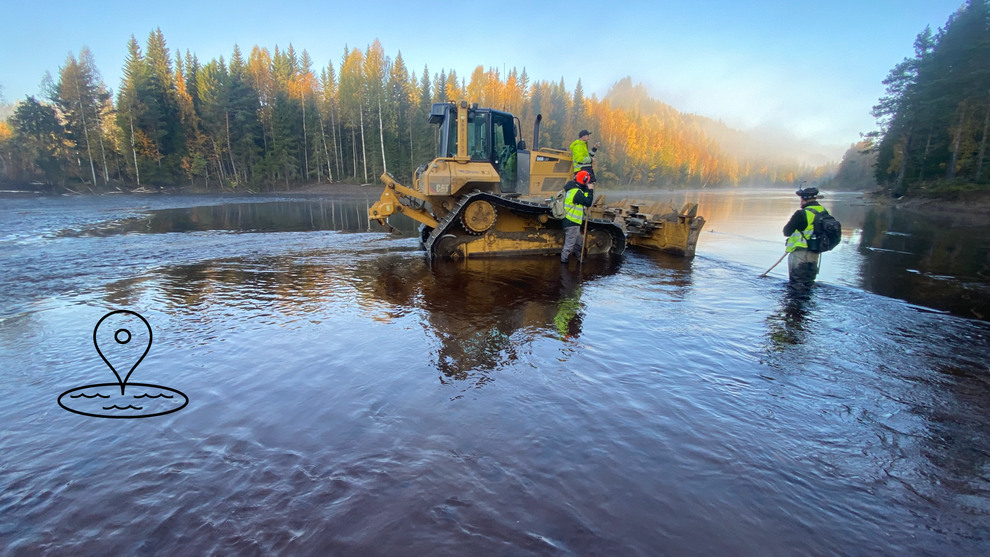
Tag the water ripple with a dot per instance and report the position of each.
(347, 397)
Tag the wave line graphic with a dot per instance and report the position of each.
(84, 395)
(128, 407)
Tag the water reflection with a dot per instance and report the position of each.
(482, 313)
(957, 442)
(928, 261)
(266, 289)
(787, 326)
(268, 216)
(661, 270)
(570, 311)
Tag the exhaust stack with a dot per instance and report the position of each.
(536, 131)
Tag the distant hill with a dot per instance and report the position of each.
(856, 172)
(769, 144)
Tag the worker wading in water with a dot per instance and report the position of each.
(580, 194)
(802, 263)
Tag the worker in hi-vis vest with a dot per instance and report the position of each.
(802, 263)
(581, 157)
(580, 194)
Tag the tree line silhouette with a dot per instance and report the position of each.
(271, 121)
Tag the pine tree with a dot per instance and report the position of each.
(329, 107)
(304, 89)
(160, 121)
(213, 90)
(422, 134)
(77, 96)
(401, 97)
(131, 107)
(439, 87)
(352, 106)
(579, 112)
(38, 138)
(559, 116)
(260, 78)
(245, 131)
(283, 156)
(376, 68)
(194, 161)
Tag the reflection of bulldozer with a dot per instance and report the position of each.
(486, 195)
(482, 314)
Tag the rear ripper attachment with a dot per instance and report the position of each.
(657, 226)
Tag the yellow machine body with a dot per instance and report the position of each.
(487, 195)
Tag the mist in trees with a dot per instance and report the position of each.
(857, 171)
(272, 120)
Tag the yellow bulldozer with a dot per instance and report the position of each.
(487, 195)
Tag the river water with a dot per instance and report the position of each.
(345, 397)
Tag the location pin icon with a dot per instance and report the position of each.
(122, 339)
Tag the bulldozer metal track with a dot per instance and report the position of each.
(448, 224)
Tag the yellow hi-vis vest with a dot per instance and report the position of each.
(572, 211)
(799, 238)
(580, 154)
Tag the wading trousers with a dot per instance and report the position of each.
(802, 266)
(572, 243)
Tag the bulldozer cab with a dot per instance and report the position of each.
(490, 137)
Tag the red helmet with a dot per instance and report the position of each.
(582, 177)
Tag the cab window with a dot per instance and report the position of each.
(478, 142)
(504, 154)
(447, 139)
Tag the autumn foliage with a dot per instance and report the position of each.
(271, 121)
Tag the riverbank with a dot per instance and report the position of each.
(970, 207)
(339, 189)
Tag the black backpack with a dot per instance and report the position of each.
(826, 233)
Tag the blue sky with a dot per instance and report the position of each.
(808, 69)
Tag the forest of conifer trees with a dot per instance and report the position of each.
(271, 121)
(935, 116)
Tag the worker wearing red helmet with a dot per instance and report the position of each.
(580, 194)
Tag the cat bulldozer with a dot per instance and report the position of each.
(487, 195)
